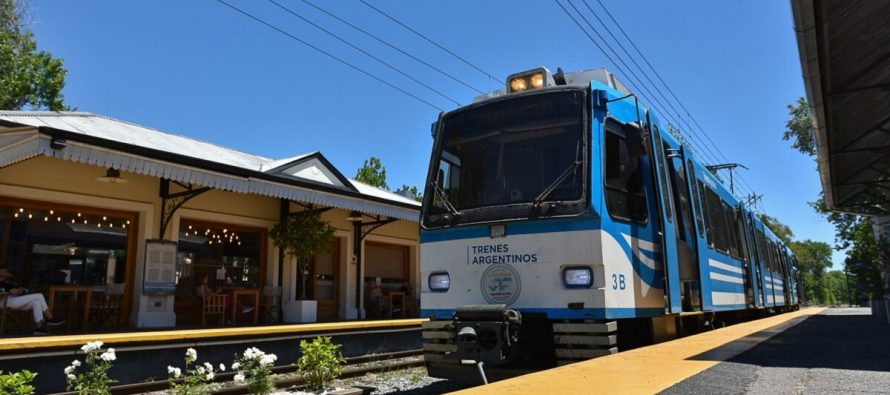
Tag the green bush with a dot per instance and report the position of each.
(17, 383)
(321, 362)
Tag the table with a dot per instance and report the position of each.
(256, 302)
(75, 289)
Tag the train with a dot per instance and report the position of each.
(561, 221)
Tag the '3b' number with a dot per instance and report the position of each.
(618, 282)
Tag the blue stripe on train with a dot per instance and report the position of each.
(554, 313)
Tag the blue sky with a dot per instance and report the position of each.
(200, 69)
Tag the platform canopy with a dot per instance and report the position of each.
(845, 54)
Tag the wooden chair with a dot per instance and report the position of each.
(14, 315)
(106, 309)
(271, 304)
(214, 305)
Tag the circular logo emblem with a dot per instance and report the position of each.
(500, 284)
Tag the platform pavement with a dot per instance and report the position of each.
(650, 369)
(838, 351)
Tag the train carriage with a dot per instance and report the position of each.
(562, 221)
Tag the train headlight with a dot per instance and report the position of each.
(530, 79)
(577, 277)
(439, 281)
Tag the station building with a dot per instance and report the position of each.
(118, 224)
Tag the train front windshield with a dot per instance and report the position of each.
(513, 158)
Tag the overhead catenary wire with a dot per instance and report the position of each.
(366, 53)
(630, 81)
(429, 40)
(328, 54)
(394, 47)
(667, 87)
(706, 152)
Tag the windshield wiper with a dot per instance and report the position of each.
(557, 182)
(444, 198)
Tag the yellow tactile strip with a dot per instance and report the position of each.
(648, 370)
(47, 342)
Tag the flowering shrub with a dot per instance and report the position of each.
(196, 380)
(254, 367)
(17, 383)
(321, 362)
(94, 380)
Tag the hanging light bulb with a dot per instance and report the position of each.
(16, 215)
(59, 219)
(110, 225)
(50, 212)
(211, 241)
(128, 222)
(78, 215)
(98, 224)
(190, 226)
(72, 220)
(84, 221)
(21, 210)
(104, 218)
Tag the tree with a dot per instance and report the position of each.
(781, 230)
(373, 173)
(413, 190)
(800, 129)
(28, 77)
(302, 235)
(813, 259)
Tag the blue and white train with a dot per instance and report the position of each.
(561, 221)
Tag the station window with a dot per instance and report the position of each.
(625, 197)
(229, 256)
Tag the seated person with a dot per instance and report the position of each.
(204, 291)
(20, 299)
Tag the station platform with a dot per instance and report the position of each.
(145, 355)
(660, 367)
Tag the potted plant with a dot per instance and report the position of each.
(302, 235)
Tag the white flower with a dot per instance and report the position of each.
(200, 369)
(108, 356)
(176, 372)
(239, 378)
(75, 363)
(69, 370)
(236, 365)
(210, 375)
(208, 366)
(92, 346)
(222, 367)
(252, 353)
(72, 377)
(268, 359)
(191, 355)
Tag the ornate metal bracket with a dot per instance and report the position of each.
(368, 227)
(170, 202)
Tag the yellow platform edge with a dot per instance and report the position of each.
(650, 369)
(46, 342)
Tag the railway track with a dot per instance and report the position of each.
(355, 367)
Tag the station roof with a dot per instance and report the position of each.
(844, 51)
(108, 142)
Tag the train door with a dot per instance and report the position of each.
(682, 183)
(754, 261)
(700, 236)
(668, 224)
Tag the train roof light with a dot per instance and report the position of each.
(530, 79)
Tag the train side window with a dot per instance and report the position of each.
(717, 229)
(743, 239)
(659, 158)
(732, 231)
(625, 197)
(681, 199)
(706, 214)
(696, 202)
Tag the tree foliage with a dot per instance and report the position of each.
(813, 259)
(412, 190)
(28, 78)
(799, 128)
(302, 235)
(373, 173)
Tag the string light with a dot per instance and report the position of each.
(30, 216)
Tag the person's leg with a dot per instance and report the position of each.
(29, 302)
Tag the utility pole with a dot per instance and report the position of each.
(727, 166)
(752, 199)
